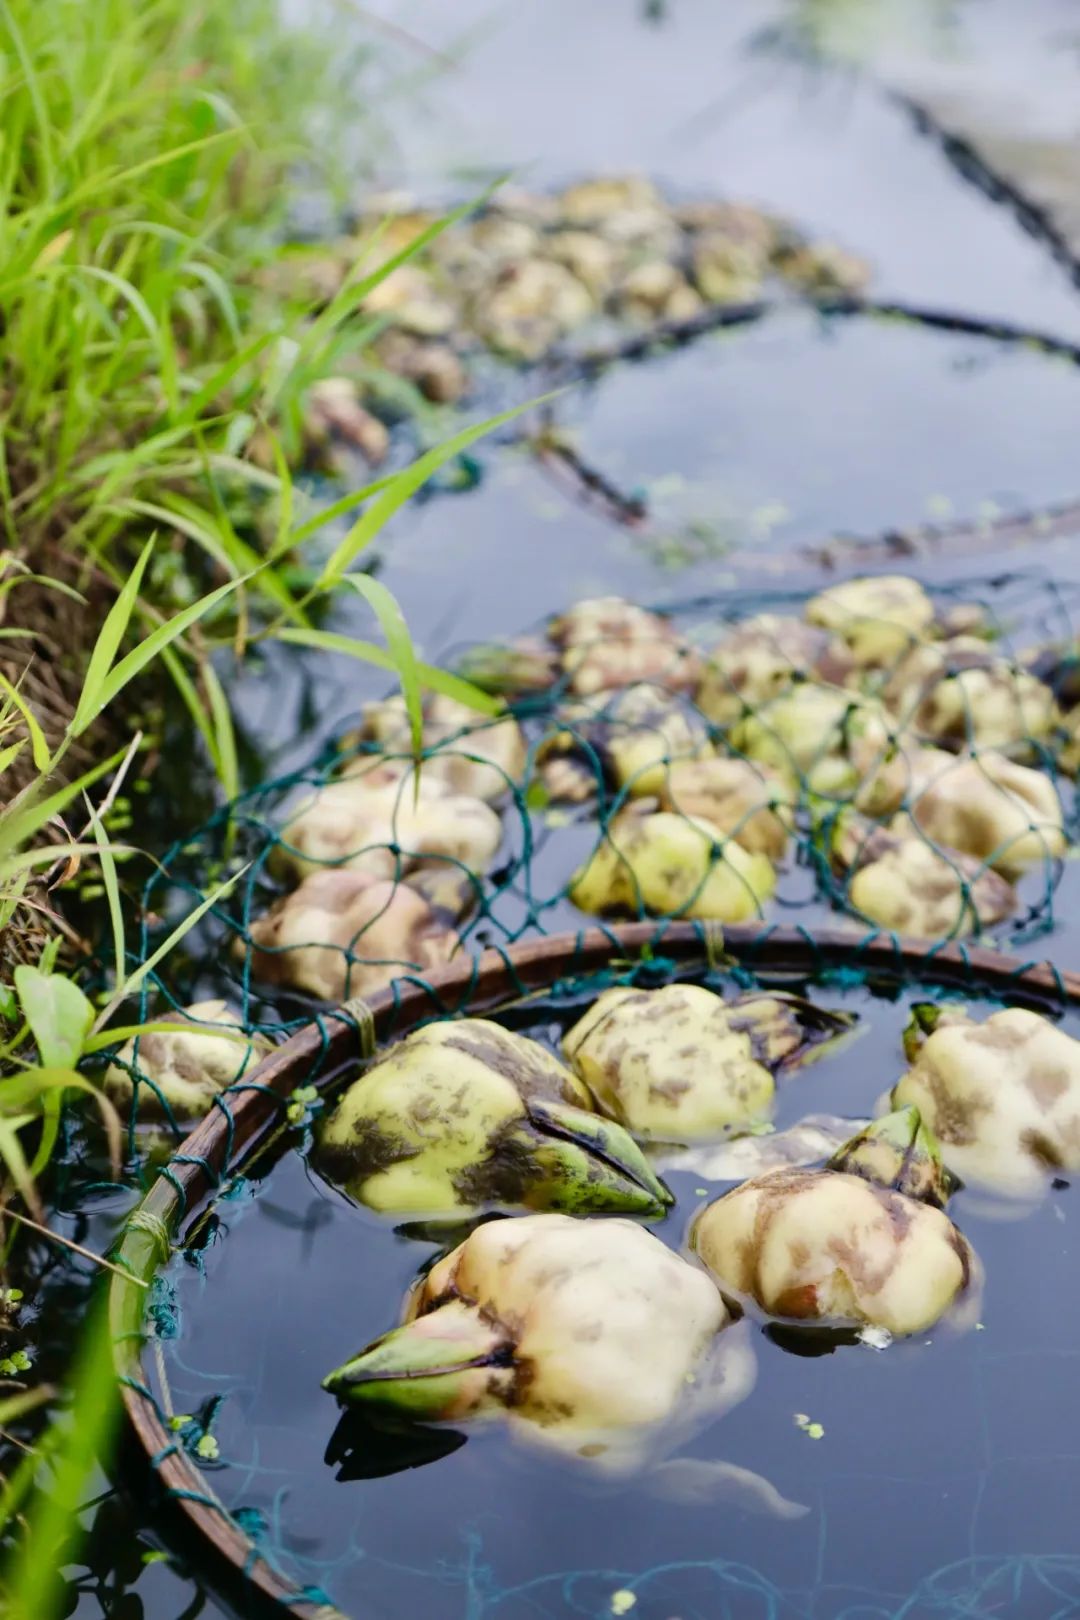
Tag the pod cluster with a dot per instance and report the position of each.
(384, 859)
(896, 741)
(893, 743)
(589, 1336)
(530, 273)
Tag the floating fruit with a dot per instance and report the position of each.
(962, 692)
(907, 885)
(880, 617)
(761, 658)
(585, 1337)
(608, 642)
(856, 1243)
(753, 804)
(681, 1064)
(468, 753)
(1002, 1094)
(389, 830)
(181, 1071)
(465, 1115)
(633, 736)
(343, 934)
(670, 864)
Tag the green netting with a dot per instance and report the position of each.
(609, 727)
(783, 797)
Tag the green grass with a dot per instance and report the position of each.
(148, 151)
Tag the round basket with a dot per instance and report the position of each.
(318, 1053)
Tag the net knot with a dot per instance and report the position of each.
(357, 1010)
(144, 1220)
(712, 937)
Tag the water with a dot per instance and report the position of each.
(938, 1454)
(960, 1457)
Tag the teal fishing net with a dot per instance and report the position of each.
(525, 825)
(926, 793)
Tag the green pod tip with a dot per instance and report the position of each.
(900, 1153)
(436, 1366)
(924, 1019)
(588, 1163)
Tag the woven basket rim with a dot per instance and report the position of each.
(221, 1142)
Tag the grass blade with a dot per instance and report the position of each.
(39, 746)
(146, 651)
(91, 699)
(435, 679)
(404, 485)
(225, 755)
(19, 823)
(34, 1584)
(110, 879)
(135, 979)
(399, 644)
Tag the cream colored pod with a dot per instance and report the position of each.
(608, 642)
(754, 804)
(759, 659)
(465, 1115)
(181, 1071)
(962, 692)
(680, 1064)
(860, 1243)
(467, 754)
(879, 617)
(343, 934)
(588, 1338)
(389, 830)
(906, 884)
(988, 806)
(636, 735)
(1003, 1095)
(813, 732)
(670, 864)
(527, 306)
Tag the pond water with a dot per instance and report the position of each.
(947, 1466)
(944, 1481)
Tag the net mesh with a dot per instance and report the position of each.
(726, 762)
(784, 771)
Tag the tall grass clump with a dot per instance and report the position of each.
(149, 153)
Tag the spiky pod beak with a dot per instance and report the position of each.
(787, 1031)
(447, 1364)
(587, 1163)
(900, 1153)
